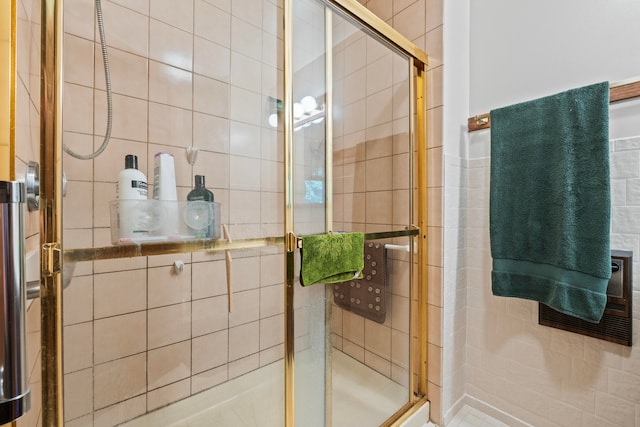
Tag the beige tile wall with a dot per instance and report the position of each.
(540, 375)
(371, 187)
(138, 335)
(149, 81)
(422, 23)
(27, 147)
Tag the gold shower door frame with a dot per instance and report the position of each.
(418, 61)
(51, 208)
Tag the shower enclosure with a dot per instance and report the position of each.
(307, 117)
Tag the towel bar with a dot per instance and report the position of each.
(619, 91)
(413, 231)
(404, 248)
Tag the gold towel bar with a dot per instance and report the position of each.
(380, 235)
(163, 248)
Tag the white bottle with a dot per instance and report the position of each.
(131, 187)
(165, 192)
(164, 177)
(132, 184)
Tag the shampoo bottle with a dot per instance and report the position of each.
(200, 213)
(131, 187)
(132, 184)
(200, 192)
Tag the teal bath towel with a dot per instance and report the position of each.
(331, 258)
(550, 201)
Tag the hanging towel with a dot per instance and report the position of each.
(367, 297)
(550, 201)
(331, 258)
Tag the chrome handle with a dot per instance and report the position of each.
(32, 183)
(15, 396)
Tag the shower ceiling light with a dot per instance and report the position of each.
(309, 104)
(313, 116)
(273, 120)
(305, 112)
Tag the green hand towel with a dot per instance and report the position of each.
(331, 258)
(550, 201)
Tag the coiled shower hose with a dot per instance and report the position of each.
(107, 77)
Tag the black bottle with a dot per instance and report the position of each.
(201, 216)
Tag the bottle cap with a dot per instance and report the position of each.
(199, 180)
(131, 161)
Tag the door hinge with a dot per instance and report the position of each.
(51, 259)
(291, 242)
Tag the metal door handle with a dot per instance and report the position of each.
(15, 396)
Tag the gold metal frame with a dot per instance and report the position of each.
(328, 214)
(423, 247)
(12, 95)
(51, 207)
(51, 212)
(164, 248)
(290, 243)
(372, 22)
(179, 247)
(8, 86)
(10, 62)
(419, 59)
(418, 326)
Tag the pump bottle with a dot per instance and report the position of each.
(131, 187)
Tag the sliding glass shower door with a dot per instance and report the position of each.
(173, 328)
(309, 127)
(352, 171)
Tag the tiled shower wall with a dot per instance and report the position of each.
(27, 147)
(541, 375)
(27, 119)
(137, 334)
(147, 92)
(371, 187)
(422, 22)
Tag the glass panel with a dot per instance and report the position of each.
(363, 338)
(372, 192)
(153, 340)
(309, 205)
(194, 338)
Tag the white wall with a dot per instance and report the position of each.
(525, 49)
(514, 367)
(454, 132)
